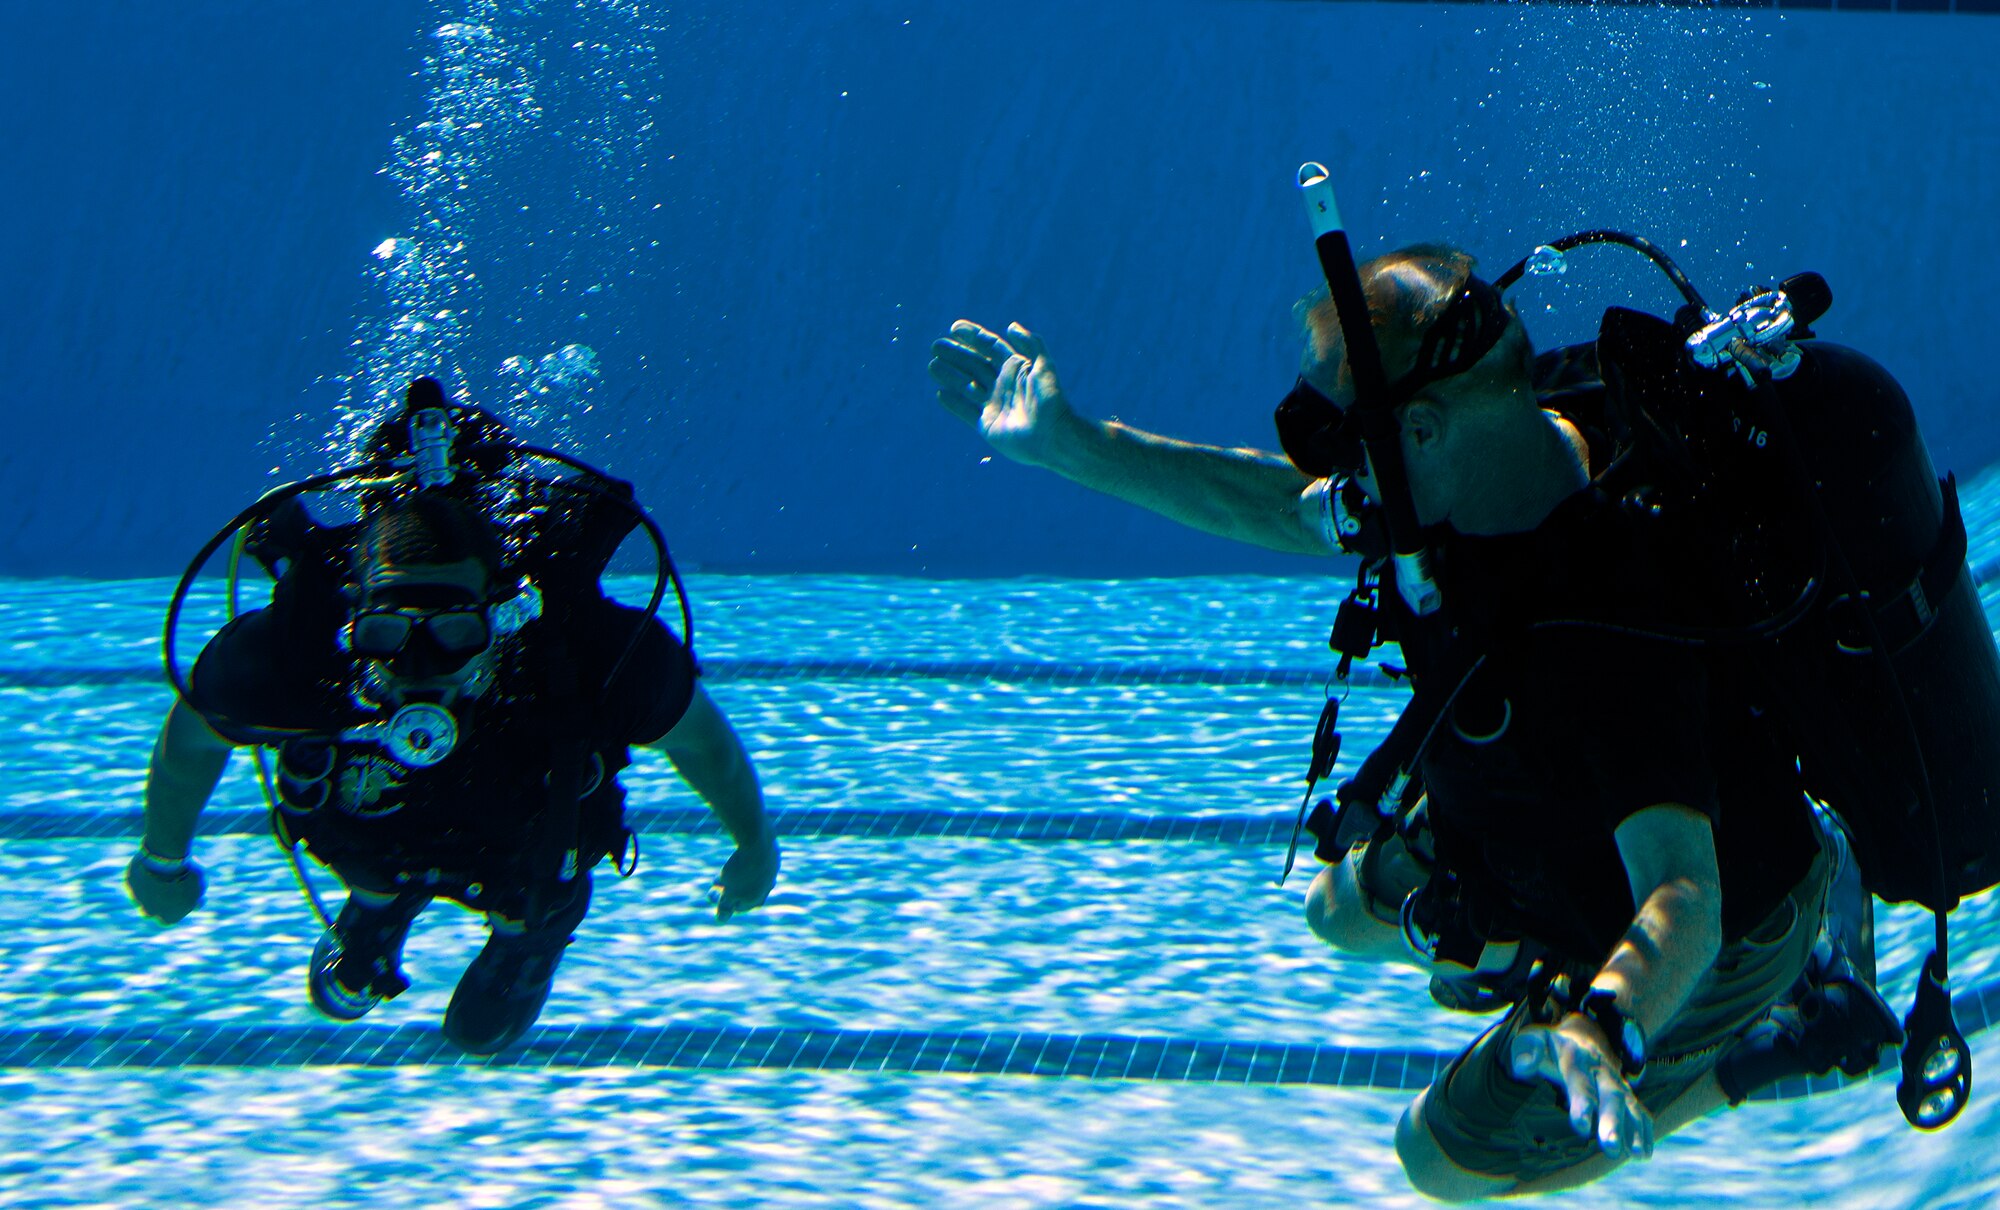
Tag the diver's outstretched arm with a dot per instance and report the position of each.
(1007, 388)
(188, 760)
(711, 760)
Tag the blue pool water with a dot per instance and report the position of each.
(921, 713)
(1026, 949)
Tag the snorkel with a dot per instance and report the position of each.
(1381, 436)
(1356, 628)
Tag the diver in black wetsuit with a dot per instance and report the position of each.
(1609, 802)
(493, 781)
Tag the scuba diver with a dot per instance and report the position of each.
(450, 698)
(1640, 626)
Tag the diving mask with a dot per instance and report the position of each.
(419, 643)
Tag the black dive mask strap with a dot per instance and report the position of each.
(1321, 437)
(1456, 341)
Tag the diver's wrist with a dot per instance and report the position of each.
(1066, 443)
(754, 833)
(162, 864)
(1624, 1037)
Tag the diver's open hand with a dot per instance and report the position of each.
(746, 879)
(965, 365)
(1004, 386)
(1574, 1056)
(166, 898)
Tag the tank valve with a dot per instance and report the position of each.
(1753, 338)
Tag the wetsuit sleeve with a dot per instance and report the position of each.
(652, 691)
(265, 671)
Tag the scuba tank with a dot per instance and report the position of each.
(1887, 678)
(1817, 487)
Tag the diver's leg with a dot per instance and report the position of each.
(1478, 1132)
(1354, 904)
(1702, 1098)
(1437, 1176)
(358, 962)
(502, 992)
(1432, 1172)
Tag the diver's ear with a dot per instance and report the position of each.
(1423, 426)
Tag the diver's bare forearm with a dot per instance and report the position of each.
(709, 757)
(1672, 943)
(731, 790)
(1245, 495)
(187, 762)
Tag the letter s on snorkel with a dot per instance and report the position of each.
(1322, 210)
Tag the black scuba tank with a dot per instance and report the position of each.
(1874, 731)
(1811, 508)
(1808, 521)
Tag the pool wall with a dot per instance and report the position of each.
(191, 292)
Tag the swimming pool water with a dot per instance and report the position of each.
(989, 699)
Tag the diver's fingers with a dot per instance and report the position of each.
(949, 376)
(960, 406)
(960, 396)
(1026, 343)
(1623, 1110)
(1617, 1127)
(981, 341)
(1574, 1077)
(1532, 1057)
(1025, 395)
(973, 363)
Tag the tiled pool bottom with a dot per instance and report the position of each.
(985, 849)
(363, 1137)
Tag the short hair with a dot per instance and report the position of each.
(1407, 291)
(428, 529)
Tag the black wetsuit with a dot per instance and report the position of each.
(467, 828)
(1569, 729)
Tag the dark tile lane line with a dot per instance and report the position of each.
(765, 1048)
(796, 823)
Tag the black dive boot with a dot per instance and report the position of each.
(358, 962)
(503, 991)
(1834, 1018)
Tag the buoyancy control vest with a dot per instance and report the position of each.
(1815, 484)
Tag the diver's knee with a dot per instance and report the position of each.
(1430, 1171)
(1321, 906)
(1341, 912)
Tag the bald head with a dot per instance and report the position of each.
(1409, 291)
